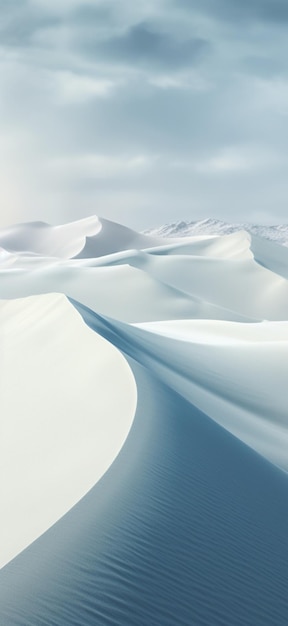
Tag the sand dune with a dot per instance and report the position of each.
(58, 431)
(186, 518)
(42, 239)
(234, 377)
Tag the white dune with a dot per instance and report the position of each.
(45, 240)
(67, 403)
(196, 480)
(235, 373)
(89, 237)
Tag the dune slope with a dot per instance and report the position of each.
(189, 526)
(154, 374)
(67, 403)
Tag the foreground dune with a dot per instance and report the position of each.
(67, 403)
(186, 518)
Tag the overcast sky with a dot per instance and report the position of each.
(144, 112)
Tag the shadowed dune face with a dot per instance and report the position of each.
(188, 526)
(186, 518)
(231, 372)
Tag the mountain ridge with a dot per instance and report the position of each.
(210, 226)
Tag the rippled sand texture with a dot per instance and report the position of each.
(144, 428)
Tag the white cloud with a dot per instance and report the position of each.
(148, 142)
(99, 166)
(187, 81)
(72, 87)
(271, 95)
(232, 160)
(61, 6)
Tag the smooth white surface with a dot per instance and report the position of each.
(68, 400)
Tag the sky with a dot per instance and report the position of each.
(143, 112)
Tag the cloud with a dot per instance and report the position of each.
(267, 10)
(87, 15)
(143, 112)
(143, 45)
(100, 166)
(233, 161)
(271, 11)
(20, 23)
(76, 88)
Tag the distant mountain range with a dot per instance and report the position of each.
(277, 233)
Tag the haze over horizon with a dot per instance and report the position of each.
(143, 114)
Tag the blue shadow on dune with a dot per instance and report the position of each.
(187, 528)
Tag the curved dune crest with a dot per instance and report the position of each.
(87, 238)
(67, 403)
(186, 518)
(239, 383)
(188, 526)
(114, 238)
(42, 239)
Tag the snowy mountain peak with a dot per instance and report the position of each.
(210, 226)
